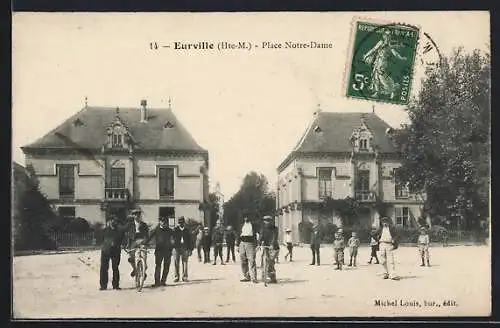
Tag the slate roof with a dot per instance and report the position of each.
(335, 130)
(90, 130)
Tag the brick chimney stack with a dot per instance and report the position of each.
(144, 113)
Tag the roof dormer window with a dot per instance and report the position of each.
(317, 128)
(168, 125)
(117, 141)
(78, 122)
(363, 144)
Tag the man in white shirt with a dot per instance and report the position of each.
(246, 243)
(289, 244)
(387, 244)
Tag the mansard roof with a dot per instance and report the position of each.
(331, 132)
(87, 129)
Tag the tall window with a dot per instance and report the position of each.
(166, 182)
(66, 212)
(363, 185)
(117, 177)
(363, 144)
(66, 181)
(325, 183)
(401, 189)
(117, 140)
(402, 216)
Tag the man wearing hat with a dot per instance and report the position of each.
(137, 234)
(230, 241)
(164, 238)
(113, 235)
(269, 237)
(183, 249)
(206, 243)
(199, 238)
(217, 241)
(246, 243)
(388, 242)
(289, 244)
(315, 240)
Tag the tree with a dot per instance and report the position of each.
(446, 147)
(253, 199)
(34, 217)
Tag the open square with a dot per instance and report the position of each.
(61, 286)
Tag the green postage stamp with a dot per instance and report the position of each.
(382, 59)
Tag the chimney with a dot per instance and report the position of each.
(144, 115)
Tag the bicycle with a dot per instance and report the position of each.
(140, 265)
(265, 263)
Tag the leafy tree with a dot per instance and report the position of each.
(253, 199)
(446, 147)
(34, 217)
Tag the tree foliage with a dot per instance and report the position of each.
(253, 199)
(446, 147)
(34, 217)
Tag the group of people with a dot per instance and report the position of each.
(206, 239)
(248, 240)
(383, 242)
(129, 235)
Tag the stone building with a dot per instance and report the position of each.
(343, 155)
(104, 161)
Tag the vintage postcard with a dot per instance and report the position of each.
(251, 165)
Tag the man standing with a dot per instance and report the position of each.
(164, 237)
(269, 237)
(137, 234)
(315, 243)
(182, 249)
(246, 243)
(110, 250)
(387, 244)
(206, 242)
(199, 238)
(217, 241)
(230, 240)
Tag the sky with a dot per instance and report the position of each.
(248, 108)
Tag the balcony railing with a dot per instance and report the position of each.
(116, 194)
(365, 196)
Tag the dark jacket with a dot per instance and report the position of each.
(217, 236)
(184, 235)
(269, 236)
(394, 235)
(316, 236)
(142, 234)
(112, 239)
(206, 240)
(230, 237)
(164, 238)
(255, 230)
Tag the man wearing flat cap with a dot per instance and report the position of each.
(269, 237)
(137, 234)
(246, 243)
(164, 238)
(388, 242)
(113, 235)
(183, 249)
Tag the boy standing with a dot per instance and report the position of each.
(218, 240)
(423, 246)
(374, 247)
(206, 243)
(338, 246)
(289, 244)
(353, 244)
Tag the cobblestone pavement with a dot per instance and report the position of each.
(66, 286)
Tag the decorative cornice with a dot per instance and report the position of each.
(99, 201)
